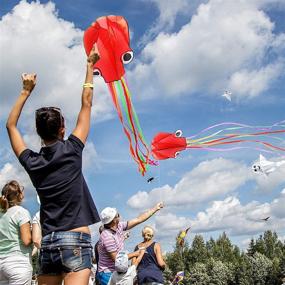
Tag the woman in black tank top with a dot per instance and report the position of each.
(152, 263)
(67, 207)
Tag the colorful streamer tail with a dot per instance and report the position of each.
(137, 145)
(261, 138)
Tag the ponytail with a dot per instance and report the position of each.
(4, 204)
(12, 194)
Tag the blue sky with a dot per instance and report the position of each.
(187, 53)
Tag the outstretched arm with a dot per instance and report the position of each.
(83, 121)
(143, 217)
(16, 139)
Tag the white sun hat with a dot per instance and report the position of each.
(108, 215)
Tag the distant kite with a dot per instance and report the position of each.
(149, 180)
(265, 166)
(181, 237)
(178, 278)
(227, 95)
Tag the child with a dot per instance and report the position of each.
(125, 275)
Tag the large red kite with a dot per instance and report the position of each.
(111, 35)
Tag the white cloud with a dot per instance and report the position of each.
(90, 158)
(224, 42)
(227, 215)
(252, 83)
(35, 39)
(11, 171)
(210, 179)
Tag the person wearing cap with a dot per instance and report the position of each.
(123, 274)
(112, 239)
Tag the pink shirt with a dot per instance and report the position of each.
(110, 241)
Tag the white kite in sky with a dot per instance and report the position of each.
(265, 166)
(227, 95)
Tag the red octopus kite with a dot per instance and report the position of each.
(111, 35)
(231, 137)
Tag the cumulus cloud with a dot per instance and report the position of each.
(227, 44)
(35, 39)
(228, 215)
(210, 179)
(14, 171)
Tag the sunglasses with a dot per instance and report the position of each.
(45, 109)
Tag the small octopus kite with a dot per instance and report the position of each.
(111, 34)
(234, 136)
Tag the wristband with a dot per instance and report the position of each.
(88, 85)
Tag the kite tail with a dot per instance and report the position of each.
(205, 143)
(121, 97)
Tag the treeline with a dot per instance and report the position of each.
(219, 262)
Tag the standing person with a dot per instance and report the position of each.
(112, 239)
(67, 207)
(15, 237)
(152, 263)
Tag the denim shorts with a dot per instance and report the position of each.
(64, 252)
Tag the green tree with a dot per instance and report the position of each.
(219, 272)
(260, 268)
(243, 271)
(198, 275)
(198, 251)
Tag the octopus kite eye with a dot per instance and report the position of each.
(96, 72)
(127, 57)
(176, 154)
(178, 133)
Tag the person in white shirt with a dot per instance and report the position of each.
(125, 275)
(15, 237)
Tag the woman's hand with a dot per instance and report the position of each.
(93, 56)
(159, 206)
(29, 82)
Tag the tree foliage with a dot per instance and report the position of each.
(219, 262)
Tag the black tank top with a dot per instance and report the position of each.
(148, 268)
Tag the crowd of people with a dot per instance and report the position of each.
(58, 237)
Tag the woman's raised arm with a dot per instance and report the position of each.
(16, 139)
(83, 121)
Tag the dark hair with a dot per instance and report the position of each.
(48, 122)
(12, 194)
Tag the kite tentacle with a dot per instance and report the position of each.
(136, 127)
(117, 106)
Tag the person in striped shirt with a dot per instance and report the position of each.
(112, 239)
